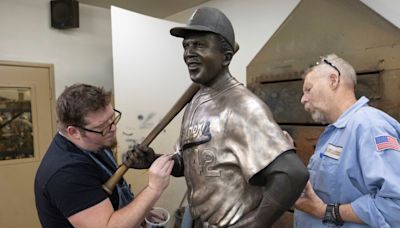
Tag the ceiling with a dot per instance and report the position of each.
(154, 8)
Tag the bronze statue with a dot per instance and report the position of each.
(240, 169)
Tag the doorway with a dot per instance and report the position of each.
(27, 125)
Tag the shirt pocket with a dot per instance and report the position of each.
(326, 178)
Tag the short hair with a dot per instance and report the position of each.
(347, 71)
(225, 45)
(76, 101)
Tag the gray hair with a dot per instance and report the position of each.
(334, 63)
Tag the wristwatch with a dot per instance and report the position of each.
(332, 216)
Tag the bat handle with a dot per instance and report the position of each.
(114, 179)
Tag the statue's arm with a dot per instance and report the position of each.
(282, 181)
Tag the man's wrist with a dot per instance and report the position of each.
(320, 211)
(332, 215)
(155, 191)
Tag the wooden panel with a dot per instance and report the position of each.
(369, 85)
(390, 93)
(305, 139)
(283, 98)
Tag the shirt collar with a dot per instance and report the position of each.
(345, 117)
(219, 86)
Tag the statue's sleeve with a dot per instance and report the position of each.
(253, 135)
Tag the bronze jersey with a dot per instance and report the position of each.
(227, 136)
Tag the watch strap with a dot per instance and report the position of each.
(339, 220)
(329, 215)
(332, 215)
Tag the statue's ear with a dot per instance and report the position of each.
(227, 58)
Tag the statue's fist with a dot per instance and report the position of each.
(139, 157)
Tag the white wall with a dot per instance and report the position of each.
(149, 76)
(79, 55)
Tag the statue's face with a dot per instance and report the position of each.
(204, 57)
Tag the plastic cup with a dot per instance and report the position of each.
(157, 218)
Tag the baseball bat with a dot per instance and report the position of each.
(176, 108)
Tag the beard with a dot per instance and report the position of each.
(317, 115)
(111, 144)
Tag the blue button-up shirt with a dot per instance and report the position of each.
(349, 167)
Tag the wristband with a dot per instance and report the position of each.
(329, 217)
(339, 220)
(332, 216)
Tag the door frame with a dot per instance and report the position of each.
(50, 67)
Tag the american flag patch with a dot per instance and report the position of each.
(386, 143)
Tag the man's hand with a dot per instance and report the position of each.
(310, 203)
(139, 157)
(159, 173)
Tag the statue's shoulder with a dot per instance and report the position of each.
(245, 100)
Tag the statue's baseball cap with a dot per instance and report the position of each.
(207, 19)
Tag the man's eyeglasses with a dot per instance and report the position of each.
(107, 129)
(330, 64)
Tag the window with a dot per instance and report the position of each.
(16, 135)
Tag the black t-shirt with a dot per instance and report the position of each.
(68, 181)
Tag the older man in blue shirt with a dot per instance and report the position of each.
(354, 172)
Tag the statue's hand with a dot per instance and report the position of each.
(139, 157)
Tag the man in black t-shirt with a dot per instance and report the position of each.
(68, 183)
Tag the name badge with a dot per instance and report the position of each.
(333, 151)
